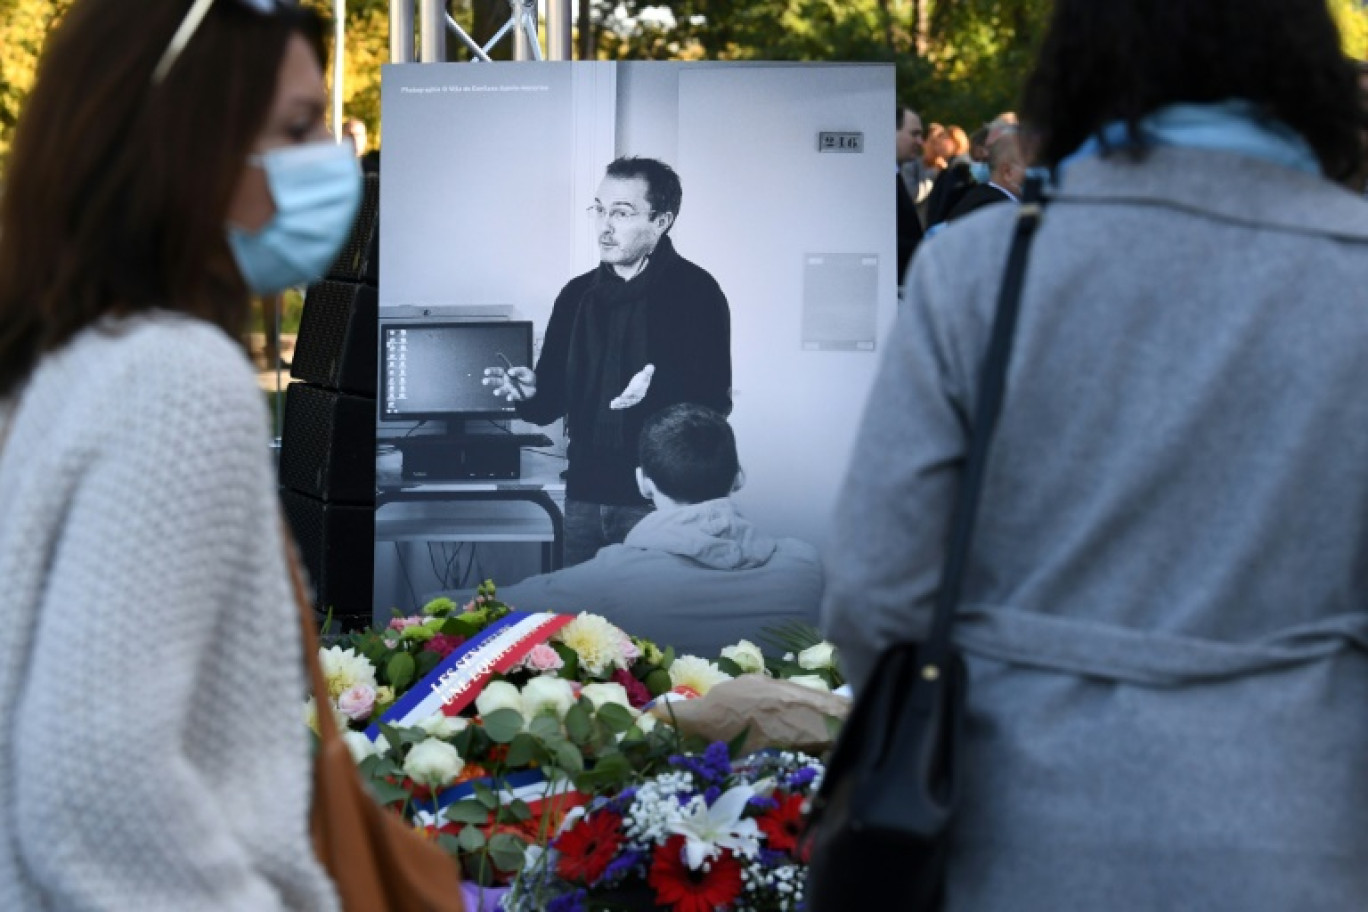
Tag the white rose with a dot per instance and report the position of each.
(440, 725)
(498, 695)
(360, 746)
(602, 692)
(813, 681)
(433, 763)
(823, 655)
(747, 657)
(645, 723)
(546, 694)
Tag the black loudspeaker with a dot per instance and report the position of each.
(337, 545)
(327, 446)
(337, 344)
(359, 260)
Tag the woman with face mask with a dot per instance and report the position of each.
(172, 160)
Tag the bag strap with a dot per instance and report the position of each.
(935, 651)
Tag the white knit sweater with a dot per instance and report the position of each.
(152, 755)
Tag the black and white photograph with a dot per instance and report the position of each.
(619, 299)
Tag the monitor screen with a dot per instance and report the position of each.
(433, 370)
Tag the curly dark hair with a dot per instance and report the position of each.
(1118, 60)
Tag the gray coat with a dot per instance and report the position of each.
(1166, 612)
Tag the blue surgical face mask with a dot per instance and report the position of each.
(979, 170)
(316, 189)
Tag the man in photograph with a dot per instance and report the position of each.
(643, 330)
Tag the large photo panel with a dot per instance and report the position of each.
(497, 198)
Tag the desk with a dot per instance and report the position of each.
(540, 484)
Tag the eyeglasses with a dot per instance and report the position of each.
(616, 215)
(191, 23)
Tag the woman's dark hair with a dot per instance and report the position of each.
(1119, 60)
(117, 190)
(689, 453)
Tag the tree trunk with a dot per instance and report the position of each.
(585, 25)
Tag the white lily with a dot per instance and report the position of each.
(708, 830)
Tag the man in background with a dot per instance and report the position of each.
(694, 574)
(1006, 175)
(908, 148)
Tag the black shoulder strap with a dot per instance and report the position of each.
(992, 380)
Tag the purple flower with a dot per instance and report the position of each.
(713, 766)
(763, 803)
(773, 859)
(568, 902)
(711, 795)
(622, 865)
(802, 778)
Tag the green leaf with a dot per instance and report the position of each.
(658, 682)
(570, 670)
(503, 725)
(518, 810)
(485, 795)
(471, 839)
(507, 852)
(388, 792)
(735, 745)
(568, 757)
(521, 750)
(577, 723)
(669, 657)
(617, 718)
(426, 662)
(400, 670)
(727, 665)
(449, 843)
(458, 626)
(468, 811)
(544, 728)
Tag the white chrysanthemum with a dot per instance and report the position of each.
(433, 763)
(747, 657)
(697, 674)
(597, 643)
(343, 669)
(311, 716)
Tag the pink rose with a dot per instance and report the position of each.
(357, 702)
(543, 660)
(630, 653)
(405, 623)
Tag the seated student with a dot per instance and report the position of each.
(693, 574)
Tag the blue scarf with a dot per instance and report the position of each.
(1235, 125)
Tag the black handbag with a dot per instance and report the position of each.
(879, 826)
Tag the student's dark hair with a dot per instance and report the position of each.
(663, 190)
(1108, 60)
(117, 189)
(902, 112)
(689, 452)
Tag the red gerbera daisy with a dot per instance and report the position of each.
(588, 847)
(683, 889)
(784, 824)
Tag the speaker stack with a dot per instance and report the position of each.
(327, 445)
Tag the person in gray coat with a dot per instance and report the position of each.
(1165, 616)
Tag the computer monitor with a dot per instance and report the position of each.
(433, 370)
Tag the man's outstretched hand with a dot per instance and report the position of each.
(636, 389)
(515, 385)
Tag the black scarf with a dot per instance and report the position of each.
(608, 348)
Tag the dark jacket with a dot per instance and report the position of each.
(909, 227)
(687, 338)
(977, 197)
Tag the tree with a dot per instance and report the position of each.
(24, 26)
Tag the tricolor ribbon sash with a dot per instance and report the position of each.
(459, 678)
